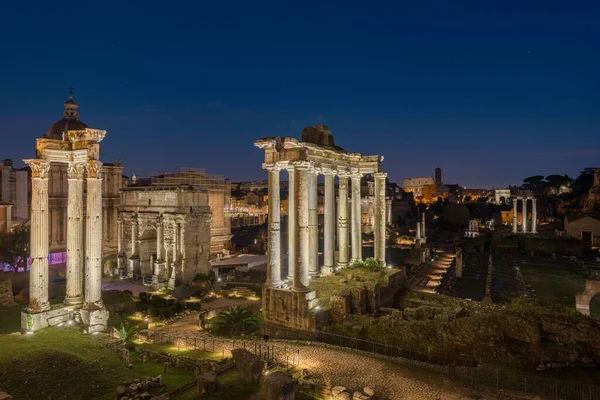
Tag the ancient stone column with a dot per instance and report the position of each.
(75, 234)
(380, 179)
(302, 187)
(329, 243)
(423, 225)
(292, 211)
(313, 224)
(515, 201)
(182, 244)
(356, 222)
(418, 235)
(134, 259)
(388, 211)
(533, 215)
(93, 238)
(524, 214)
(38, 274)
(342, 219)
(160, 239)
(274, 246)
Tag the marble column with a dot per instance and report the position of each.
(533, 215)
(75, 234)
(515, 201)
(173, 277)
(418, 235)
(93, 237)
(356, 222)
(38, 274)
(388, 211)
(120, 254)
(329, 240)
(342, 219)
(524, 214)
(274, 246)
(313, 225)
(182, 246)
(302, 267)
(423, 232)
(134, 259)
(160, 239)
(380, 179)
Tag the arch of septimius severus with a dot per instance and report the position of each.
(304, 160)
(77, 146)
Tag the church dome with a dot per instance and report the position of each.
(69, 122)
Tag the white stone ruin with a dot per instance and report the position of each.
(473, 230)
(80, 150)
(304, 160)
(524, 221)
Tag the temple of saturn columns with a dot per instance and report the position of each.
(294, 304)
(523, 200)
(79, 149)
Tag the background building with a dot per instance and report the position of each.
(15, 191)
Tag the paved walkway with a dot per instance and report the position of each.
(354, 370)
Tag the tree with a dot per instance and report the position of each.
(584, 181)
(236, 320)
(14, 246)
(559, 181)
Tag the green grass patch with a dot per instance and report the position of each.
(176, 377)
(199, 354)
(554, 286)
(231, 386)
(59, 364)
(356, 279)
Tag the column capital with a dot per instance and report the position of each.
(326, 170)
(39, 167)
(75, 170)
(380, 175)
(159, 220)
(302, 164)
(94, 169)
(342, 173)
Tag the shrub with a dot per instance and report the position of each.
(128, 293)
(144, 297)
(205, 277)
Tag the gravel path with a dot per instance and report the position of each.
(344, 367)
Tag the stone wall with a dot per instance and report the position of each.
(291, 309)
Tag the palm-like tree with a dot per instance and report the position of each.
(236, 319)
(126, 333)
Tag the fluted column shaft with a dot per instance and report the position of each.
(328, 243)
(533, 216)
(93, 238)
(292, 211)
(388, 211)
(313, 224)
(160, 238)
(524, 214)
(38, 274)
(75, 235)
(119, 235)
(342, 220)
(380, 178)
(356, 223)
(423, 225)
(302, 187)
(274, 247)
(515, 201)
(134, 236)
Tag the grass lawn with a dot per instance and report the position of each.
(199, 354)
(231, 386)
(174, 378)
(556, 286)
(59, 364)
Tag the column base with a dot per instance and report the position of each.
(327, 270)
(314, 274)
(38, 307)
(341, 265)
(73, 301)
(95, 320)
(32, 322)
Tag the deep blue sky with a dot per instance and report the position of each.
(490, 91)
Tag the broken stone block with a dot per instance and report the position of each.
(369, 391)
(337, 390)
(278, 386)
(207, 382)
(249, 366)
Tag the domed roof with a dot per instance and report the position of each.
(69, 122)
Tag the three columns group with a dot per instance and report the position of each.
(524, 214)
(303, 230)
(93, 235)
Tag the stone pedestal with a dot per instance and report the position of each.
(32, 322)
(158, 275)
(134, 265)
(95, 320)
(295, 310)
(278, 386)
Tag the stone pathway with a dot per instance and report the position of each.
(344, 367)
(429, 278)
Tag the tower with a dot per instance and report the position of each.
(438, 177)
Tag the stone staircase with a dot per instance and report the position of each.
(239, 291)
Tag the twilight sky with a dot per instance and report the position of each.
(489, 91)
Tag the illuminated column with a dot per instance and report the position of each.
(302, 187)
(75, 234)
(342, 219)
(423, 232)
(388, 211)
(292, 232)
(524, 214)
(182, 245)
(533, 215)
(134, 259)
(515, 201)
(38, 274)
(380, 178)
(93, 237)
(120, 253)
(418, 236)
(356, 214)
(274, 248)
(313, 224)
(173, 277)
(160, 239)
(329, 243)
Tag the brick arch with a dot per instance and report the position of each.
(583, 299)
